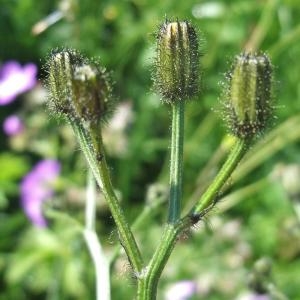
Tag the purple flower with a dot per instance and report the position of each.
(36, 188)
(13, 125)
(181, 290)
(15, 80)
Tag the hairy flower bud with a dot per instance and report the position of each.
(79, 89)
(248, 103)
(177, 61)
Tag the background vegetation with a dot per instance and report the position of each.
(257, 219)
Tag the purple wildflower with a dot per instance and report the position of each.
(181, 290)
(36, 188)
(13, 125)
(15, 80)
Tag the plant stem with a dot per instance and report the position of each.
(209, 197)
(92, 147)
(100, 262)
(205, 176)
(147, 284)
(176, 161)
(148, 210)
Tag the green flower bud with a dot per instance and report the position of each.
(78, 88)
(92, 93)
(177, 61)
(248, 103)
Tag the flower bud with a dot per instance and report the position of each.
(91, 91)
(177, 61)
(249, 98)
(79, 89)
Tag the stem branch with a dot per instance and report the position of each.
(209, 197)
(92, 147)
(147, 284)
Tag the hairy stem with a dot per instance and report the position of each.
(92, 148)
(149, 209)
(176, 161)
(209, 198)
(147, 283)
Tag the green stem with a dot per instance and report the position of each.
(147, 284)
(208, 199)
(93, 150)
(176, 161)
(148, 210)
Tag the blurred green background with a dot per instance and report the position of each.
(259, 216)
